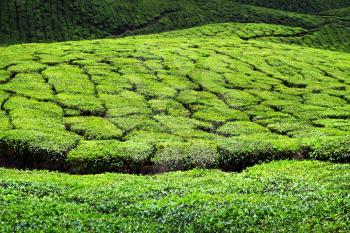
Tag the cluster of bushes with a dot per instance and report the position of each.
(173, 101)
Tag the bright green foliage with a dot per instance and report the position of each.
(34, 115)
(168, 107)
(30, 85)
(140, 122)
(185, 156)
(61, 78)
(85, 103)
(125, 103)
(217, 114)
(289, 196)
(93, 127)
(4, 76)
(26, 67)
(242, 128)
(94, 156)
(238, 153)
(332, 149)
(4, 121)
(220, 95)
(50, 146)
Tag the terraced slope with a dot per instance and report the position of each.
(57, 20)
(281, 196)
(211, 97)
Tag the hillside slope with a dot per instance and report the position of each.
(56, 20)
(221, 95)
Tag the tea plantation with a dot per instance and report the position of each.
(217, 96)
(174, 116)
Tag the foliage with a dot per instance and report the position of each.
(281, 196)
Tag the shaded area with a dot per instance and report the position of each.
(54, 20)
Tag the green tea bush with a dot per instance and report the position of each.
(30, 85)
(61, 78)
(237, 154)
(140, 122)
(335, 149)
(342, 124)
(177, 82)
(218, 115)
(125, 103)
(27, 67)
(109, 155)
(93, 127)
(152, 137)
(184, 156)
(4, 121)
(88, 104)
(35, 146)
(4, 76)
(241, 128)
(168, 107)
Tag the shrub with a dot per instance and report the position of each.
(4, 76)
(335, 149)
(191, 97)
(62, 76)
(239, 99)
(178, 82)
(168, 107)
(88, 104)
(316, 131)
(241, 128)
(237, 154)
(140, 122)
(152, 137)
(109, 155)
(219, 115)
(31, 114)
(27, 67)
(93, 127)
(3, 96)
(30, 146)
(185, 156)
(147, 85)
(125, 103)
(4, 121)
(31, 85)
(324, 100)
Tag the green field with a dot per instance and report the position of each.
(174, 116)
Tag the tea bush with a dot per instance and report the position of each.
(94, 156)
